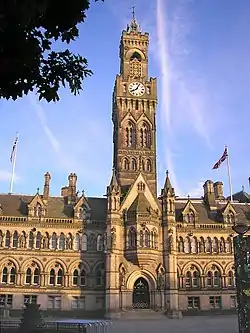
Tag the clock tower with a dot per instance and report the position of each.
(134, 105)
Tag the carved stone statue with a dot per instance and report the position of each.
(122, 277)
(113, 237)
(170, 244)
(22, 241)
(70, 243)
(160, 280)
(202, 247)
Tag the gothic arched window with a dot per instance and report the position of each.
(15, 239)
(135, 65)
(130, 135)
(145, 136)
(7, 239)
(133, 164)
(148, 166)
(54, 241)
(125, 164)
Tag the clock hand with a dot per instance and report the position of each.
(136, 88)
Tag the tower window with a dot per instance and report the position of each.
(145, 137)
(133, 164)
(135, 65)
(130, 135)
(126, 164)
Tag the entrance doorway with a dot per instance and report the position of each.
(141, 296)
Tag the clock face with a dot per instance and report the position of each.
(136, 89)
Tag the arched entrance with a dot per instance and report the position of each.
(141, 296)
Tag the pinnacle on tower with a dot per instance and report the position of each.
(113, 186)
(168, 189)
(133, 26)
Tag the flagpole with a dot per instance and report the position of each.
(13, 166)
(229, 177)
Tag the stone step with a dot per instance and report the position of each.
(142, 314)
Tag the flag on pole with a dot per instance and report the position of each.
(13, 149)
(222, 159)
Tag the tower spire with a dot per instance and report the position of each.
(133, 26)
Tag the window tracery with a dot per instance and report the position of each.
(135, 65)
(8, 274)
(56, 275)
(145, 135)
(130, 135)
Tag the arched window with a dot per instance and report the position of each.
(52, 277)
(15, 239)
(188, 281)
(195, 279)
(38, 210)
(36, 276)
(31, 240)
(202, 245)
(7, 239)
(56, 275)
(54, 241)
(13, 275)
(147, 238)
(5, 275)
(59, 280)
(154, 240)
(77, 242)
(132, 238)
(100, 275)
(145, 136)
(83, 278)
(84, 242)
(125, 164)
(148, 165)
(99, 243)
(135, 66)
(133, 164)
(230, 279)
(75, 277)
(214, 278)
(230, 218)
(46, 241)
(28, 276)
(38, 240)
(141, 239)
(190, 217)
(130, 135)
(32, 275)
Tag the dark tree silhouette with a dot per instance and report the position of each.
(32, 320)
(27, 59)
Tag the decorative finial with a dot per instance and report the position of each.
(167, 173)
(243, 188)
(82, 192)
(188, 196)
(133, 12)
(37, 190)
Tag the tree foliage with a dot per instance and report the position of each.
(32, 319)
(28, 61)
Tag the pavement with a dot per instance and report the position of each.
(192, 324)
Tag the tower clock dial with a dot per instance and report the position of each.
(136, 88)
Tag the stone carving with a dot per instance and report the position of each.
(113, 237)
(161, 280)
(122, 277)
(22, 241)
(170, 243)
(69, 243)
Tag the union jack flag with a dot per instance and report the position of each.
(222, 159)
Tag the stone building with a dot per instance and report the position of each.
(132, 248)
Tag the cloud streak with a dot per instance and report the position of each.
(183, 98)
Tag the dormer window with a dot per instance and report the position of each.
(230, 217)
(38, 210)
(189, 217)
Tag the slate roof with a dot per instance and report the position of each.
(16, 205)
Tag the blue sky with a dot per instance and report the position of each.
(200, 53)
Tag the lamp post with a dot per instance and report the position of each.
(241, 254)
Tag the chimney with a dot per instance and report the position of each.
(72, 186)
(64, 191)
(218, 190)
(47, 178)
(209, 195)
